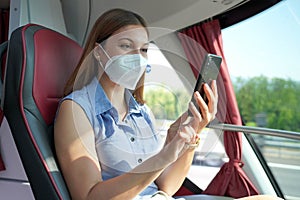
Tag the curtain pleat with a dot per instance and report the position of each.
(231, 180)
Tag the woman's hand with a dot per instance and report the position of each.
(185, 130)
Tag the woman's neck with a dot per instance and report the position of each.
(115, 93)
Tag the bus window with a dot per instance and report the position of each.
(262, 54)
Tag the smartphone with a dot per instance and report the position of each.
(209, 71)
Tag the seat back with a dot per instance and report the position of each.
(39, 62)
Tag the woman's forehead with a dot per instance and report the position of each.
(136, 33)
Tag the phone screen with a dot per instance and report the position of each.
(209, 71)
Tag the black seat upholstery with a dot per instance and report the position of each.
(39, 62)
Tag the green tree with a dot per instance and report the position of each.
(166, 104)
(277, 98)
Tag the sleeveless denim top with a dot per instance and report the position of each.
(120, 145)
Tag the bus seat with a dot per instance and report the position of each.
(39, 62)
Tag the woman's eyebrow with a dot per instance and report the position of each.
(132, 41)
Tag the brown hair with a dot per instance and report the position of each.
(108, 23)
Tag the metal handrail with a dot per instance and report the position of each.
(256, 130)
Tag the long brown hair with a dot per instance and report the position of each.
(108, 23)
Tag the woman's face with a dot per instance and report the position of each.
(131, 39)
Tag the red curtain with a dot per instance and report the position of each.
(231, 180)
(4, 21)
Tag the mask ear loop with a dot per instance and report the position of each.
(97, 55)
(104, 51)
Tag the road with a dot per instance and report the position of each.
(288, 177)
(285, 166)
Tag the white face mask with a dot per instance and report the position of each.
(125, 70)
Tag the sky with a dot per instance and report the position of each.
(267, 44)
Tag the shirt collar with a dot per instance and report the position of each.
(133, 106)
(103, 104)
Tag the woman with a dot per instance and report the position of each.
(104, 137)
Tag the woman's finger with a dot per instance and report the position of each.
(194, 110)
(214, 88)
(187, 133)
(212, 96)
(176, 125)
(200, 116)
(202, 106)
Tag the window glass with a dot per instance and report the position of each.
(283, 158)
(263, 54)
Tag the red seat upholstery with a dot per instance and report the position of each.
(39, 62)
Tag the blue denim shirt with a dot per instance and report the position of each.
(120, 145)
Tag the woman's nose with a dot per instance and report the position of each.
(135, 51)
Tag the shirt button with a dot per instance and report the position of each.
(140, 160)
(132, 139)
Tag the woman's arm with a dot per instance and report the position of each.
(173, 176)
(75, 149)
(74, 145)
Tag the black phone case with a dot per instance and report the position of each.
(209, 71)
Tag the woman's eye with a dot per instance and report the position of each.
(125, 46)
(144, 50)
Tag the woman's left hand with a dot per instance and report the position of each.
(189, 127)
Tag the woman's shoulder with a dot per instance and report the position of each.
(83, 94)
(81, 100)
(76, 95)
